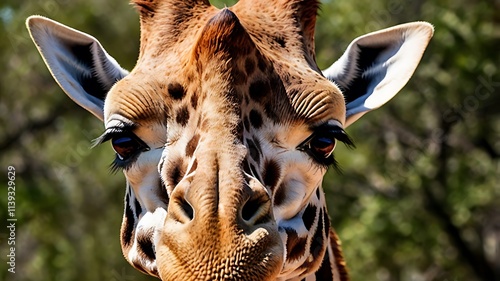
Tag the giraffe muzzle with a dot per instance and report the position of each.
(220, 226)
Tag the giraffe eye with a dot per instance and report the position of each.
(127, 146)
(125, 143)
(322, 142)
(322, 146)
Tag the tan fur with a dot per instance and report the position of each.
(225, 129)
(205, 54)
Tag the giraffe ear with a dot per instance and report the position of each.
(77, 61)
(376, 66)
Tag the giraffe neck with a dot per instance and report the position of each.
(333, 266)
(313, 249)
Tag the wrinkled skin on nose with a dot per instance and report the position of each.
(219, 227)
(219, 223)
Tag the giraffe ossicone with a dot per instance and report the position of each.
(225, 128)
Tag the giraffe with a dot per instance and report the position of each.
(225, 128)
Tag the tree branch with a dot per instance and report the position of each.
(436, 207)
(476, 261)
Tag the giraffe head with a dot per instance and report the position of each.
(225, 128)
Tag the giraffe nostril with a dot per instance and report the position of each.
(249, 209)
(256, 209)
(187, 209)
(180, 209)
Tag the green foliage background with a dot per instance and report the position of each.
(419, 198)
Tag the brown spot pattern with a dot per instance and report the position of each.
(175, 172)
(127, 224)
(192, 144)
(280, 195)
(295, 245)
(146, 245)
(182, 116)
(255, 119)
(271, 173)
(259, 89)
(176, 91)
(309, 216)
(249, 66)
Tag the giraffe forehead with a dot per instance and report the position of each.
(136, 100)
(175, 100)
(261, 68)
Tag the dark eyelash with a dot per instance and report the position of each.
(339, 134)
(106, 136)
(117, 164)
(336, 165)
(343, 137)
(112, 132)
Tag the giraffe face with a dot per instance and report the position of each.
(225, 128)
(228, 146)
